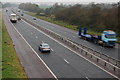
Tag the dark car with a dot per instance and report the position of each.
(34, 18)
(21, 14)
(6, 10)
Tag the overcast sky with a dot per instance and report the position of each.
(84, 1)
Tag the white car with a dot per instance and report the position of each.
(44, 47)
(13, 18)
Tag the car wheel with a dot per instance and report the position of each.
(104, 45)
(49, 51)
(39, 49)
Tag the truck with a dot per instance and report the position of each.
(13, 18)
(106, 39)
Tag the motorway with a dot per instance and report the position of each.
(112, 52)
(62, 61)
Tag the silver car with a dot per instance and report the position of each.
(44, 47)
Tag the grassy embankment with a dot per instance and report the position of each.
(0, 45)
(11, 67)
(61, 23)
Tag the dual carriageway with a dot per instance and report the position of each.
(62, 62)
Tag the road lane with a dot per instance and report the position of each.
(77, 68)
(113, 52)
(32, 65)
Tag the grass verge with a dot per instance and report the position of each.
(0, 44)
(64, 24)
(11, 67)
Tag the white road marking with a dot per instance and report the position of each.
(66, 61)
(73, 36)
(36, 37)
(72, 50)
(87, 78)
(52, 49)
(35, 52)
(101, 47)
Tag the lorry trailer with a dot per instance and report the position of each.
(107, 38)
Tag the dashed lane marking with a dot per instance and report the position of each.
(66, 61)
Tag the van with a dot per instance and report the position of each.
(13, 18)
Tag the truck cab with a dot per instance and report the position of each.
(13, 18)
(109, 38)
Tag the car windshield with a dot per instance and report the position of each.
(13, 16)
(45, 46)
(111, 36)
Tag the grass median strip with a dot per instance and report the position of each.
(11, 67)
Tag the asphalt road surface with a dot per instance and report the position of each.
(113, 52)
(62, 61)
(33, 66)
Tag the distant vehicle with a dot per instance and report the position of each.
(13, 18)
(41, 14)
(21, 14)
(107, 38)
(6, 10)
(18, 18)
(18, 10)
(34, 18)
(44, 47)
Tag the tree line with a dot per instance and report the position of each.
(30, 7)
(96, 17)
(93, 17)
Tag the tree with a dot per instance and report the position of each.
(30, 7)
(54, 9)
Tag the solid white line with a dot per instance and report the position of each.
(72, 50)
(35, 52)
(66, 61)
(52, 49)
(87, 78)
